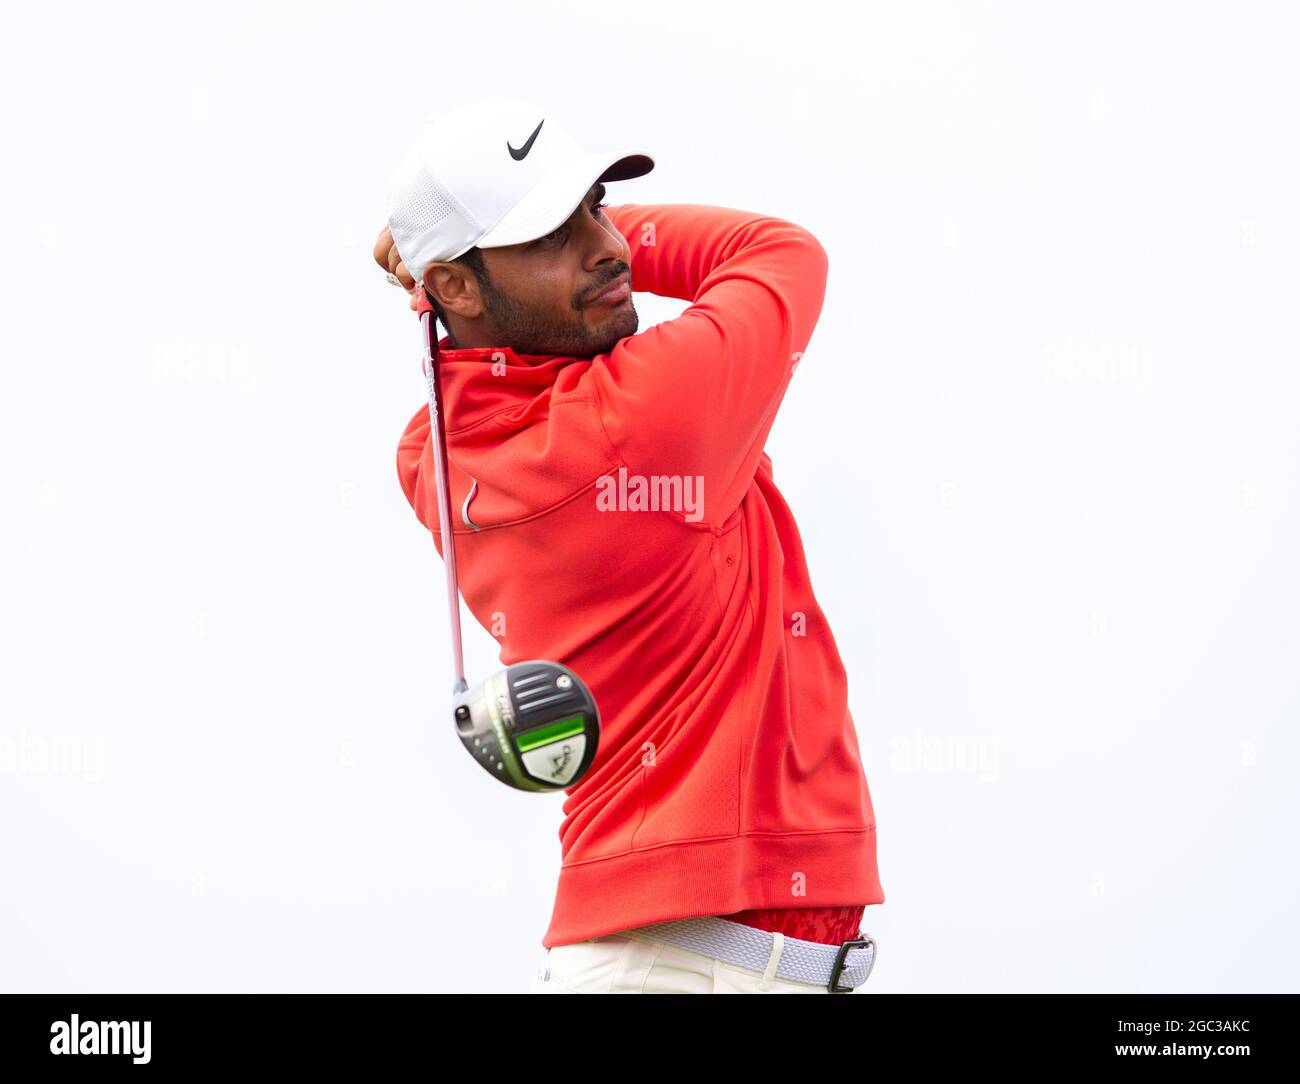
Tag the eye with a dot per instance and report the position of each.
(560, 231)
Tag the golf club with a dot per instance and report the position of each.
(534, 725)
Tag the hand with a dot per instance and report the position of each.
(390, 260)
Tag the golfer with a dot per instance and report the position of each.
(614, 510)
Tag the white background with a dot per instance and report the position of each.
(1043, 452)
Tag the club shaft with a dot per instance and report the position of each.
(445, 525)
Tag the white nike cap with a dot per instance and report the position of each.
(497, 172)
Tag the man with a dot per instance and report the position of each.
(615, 511)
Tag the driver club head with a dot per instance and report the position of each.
(533, 726)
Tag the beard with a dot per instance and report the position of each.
(560, 333)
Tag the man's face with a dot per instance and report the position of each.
(539, 297)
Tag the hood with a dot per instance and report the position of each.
(505, 462)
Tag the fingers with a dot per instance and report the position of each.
(390, 260)
(382, 247)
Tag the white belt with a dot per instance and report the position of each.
(840, 968)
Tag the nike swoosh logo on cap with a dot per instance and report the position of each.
(522, 153)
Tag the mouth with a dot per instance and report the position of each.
(615, 293)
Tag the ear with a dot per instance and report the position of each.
(452, 290)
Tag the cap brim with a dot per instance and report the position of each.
(551, 201)
(628, 165)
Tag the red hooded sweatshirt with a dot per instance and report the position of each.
(622, 519)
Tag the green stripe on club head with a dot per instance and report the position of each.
(562, 728)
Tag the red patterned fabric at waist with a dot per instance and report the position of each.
(827, 925)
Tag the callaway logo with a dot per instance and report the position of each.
(560, 761)
(522, 153)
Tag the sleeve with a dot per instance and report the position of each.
(694, 398)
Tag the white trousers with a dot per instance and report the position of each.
(633, 963)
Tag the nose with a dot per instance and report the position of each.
(603, 243)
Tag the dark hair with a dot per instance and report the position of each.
(473, 259)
